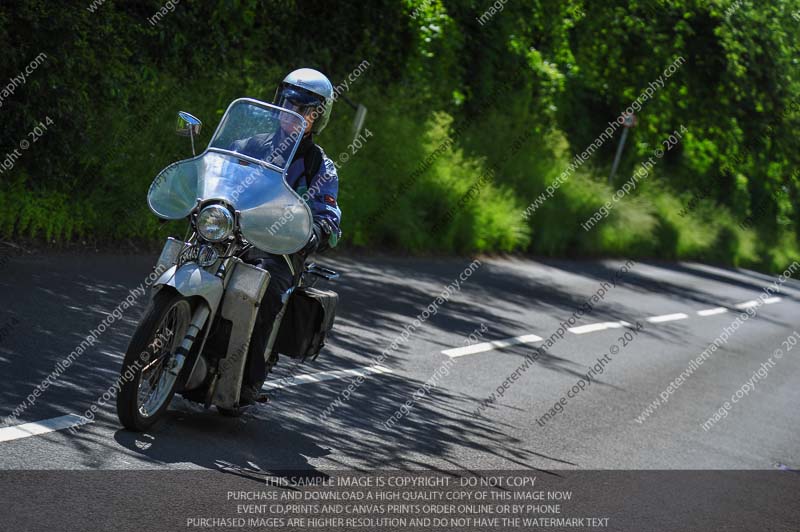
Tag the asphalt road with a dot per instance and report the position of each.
(50, 302)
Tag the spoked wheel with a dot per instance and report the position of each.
(148, 377)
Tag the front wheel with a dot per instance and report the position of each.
(148, 379)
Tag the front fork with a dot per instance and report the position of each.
(191, 281)
(199, 320)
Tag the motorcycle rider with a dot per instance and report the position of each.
(313, 176)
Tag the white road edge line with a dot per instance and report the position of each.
(324, 376)
(488, 346)
(667, 317)
(712, 311)
(37, 428)
(593, 327)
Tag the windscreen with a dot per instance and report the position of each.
(268, 134)
(273, 217)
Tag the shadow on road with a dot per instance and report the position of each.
(379, 298)
(286, 434)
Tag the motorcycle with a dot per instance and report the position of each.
(194, 336)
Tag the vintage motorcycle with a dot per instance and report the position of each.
(194, 336)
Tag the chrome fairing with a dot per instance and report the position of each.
(243, 295)
(273, 217)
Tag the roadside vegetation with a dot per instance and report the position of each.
(513, 98)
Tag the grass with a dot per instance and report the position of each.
(415, 186)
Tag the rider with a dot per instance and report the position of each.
(312, 175)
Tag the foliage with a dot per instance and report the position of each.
(520, 93)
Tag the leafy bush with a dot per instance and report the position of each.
(520, 94)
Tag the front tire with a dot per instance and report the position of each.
(147, 384)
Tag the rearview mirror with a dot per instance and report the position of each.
(188, 126)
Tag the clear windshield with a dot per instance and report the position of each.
(245, 166)
(268, 134)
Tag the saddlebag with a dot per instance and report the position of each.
(306, 323)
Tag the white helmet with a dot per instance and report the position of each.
(307, 91)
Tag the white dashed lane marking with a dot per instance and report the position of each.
(754, 302)
(602, 326)
(46, 426)
(712, 311)
(594, 327)
(309, 378)
(37, 428)
(488, 346)
(667, 317)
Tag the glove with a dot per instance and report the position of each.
(315, 240)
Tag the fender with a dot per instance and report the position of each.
(192, 280)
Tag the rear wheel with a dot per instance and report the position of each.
(147, 379)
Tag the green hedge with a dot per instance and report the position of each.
(498, 109)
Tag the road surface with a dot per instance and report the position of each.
(671, 312)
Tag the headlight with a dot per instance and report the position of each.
(215, 223)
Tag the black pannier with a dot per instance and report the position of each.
(308, 319)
